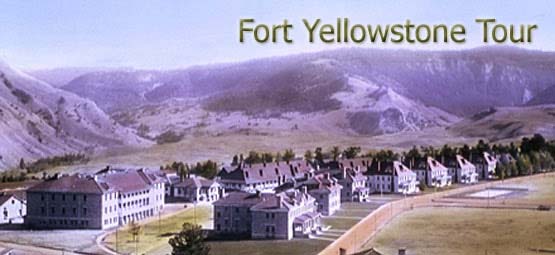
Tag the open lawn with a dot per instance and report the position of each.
(453, 231)
(155, 234)
(540, 190)
(262, 247)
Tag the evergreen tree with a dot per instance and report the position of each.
(335, 152)
(189, 241)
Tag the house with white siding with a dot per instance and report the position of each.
(485, 165)
(461, 170)
(326, 190)
(12, 209)
(431, 172)
(197, 189)
(391, 177)
(352, 179)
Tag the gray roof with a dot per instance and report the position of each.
(256, 173)
(103, 181)
(195, 182)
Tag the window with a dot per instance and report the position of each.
(74, 211)
(41, 197)
(63, 197)
(53, 197)
(85, 198)
(43, 210)
(63, 211)
(74, 197)
(84, 211)
(52, 210)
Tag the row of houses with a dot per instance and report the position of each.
(269, 200)
(251, 186)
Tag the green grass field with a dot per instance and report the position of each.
(453, 231)
(155, 234)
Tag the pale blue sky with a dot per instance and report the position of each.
(171, 34)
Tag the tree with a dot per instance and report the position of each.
(267, 157)
(189, 241)
(135, 230)
(235, 161)
(278, 157)
(335, 152)
(413, 153)
(288, 155)
(308, 155)
(21, 164)
(351, 152)
(319, 155)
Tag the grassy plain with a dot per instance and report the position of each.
(155, 234)
(454, 231)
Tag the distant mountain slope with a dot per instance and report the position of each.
(547, 96)
(58, 77)
(508, 122)
(37, 120)
(460, 82)
(374, 91)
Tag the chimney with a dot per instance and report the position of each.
(328, 176)
(304, 190)
(379, 166)
(402, 251)
(344, 173)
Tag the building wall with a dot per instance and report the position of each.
(92, 211)
(190, 194)
(232, 219)
(271, 225)
(12, 211)
(64, 210)
(328, 203)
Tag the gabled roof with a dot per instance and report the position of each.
(370, 251)
(362, 163)
(463, 162)
(69, 183)
(490, 159)
(322, 183)
(284, 201)
(242, 199)
(432, 164)
(255, 173)
(389, 167)
(104, 181)
(196, 182)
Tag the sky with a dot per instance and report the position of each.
(44, 34)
